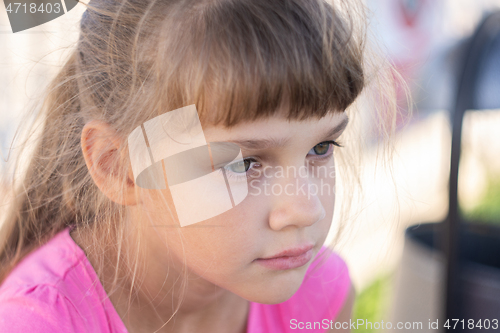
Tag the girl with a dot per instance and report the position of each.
(90, 246)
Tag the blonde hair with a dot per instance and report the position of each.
(135, 59)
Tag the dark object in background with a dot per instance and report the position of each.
(478, 275)
(469, 292)
(472, 250)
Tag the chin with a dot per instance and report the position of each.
(276, 289)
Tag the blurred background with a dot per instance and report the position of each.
(396, 277)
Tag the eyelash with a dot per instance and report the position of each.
(335, 143)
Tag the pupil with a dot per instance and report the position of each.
(321, 148)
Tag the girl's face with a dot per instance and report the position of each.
(291, 182)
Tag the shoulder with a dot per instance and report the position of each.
(48, 264)
(38, 308)
(53, 289)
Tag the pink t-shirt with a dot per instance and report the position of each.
(55, 289)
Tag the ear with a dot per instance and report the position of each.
(100, 143)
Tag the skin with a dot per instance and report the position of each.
(220, 252)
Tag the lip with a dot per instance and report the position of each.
(288, 259)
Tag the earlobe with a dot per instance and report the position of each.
(100, 145)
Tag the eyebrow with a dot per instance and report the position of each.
(253, 144)
(339, 128)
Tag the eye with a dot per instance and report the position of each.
(240, 166)
(323, 148)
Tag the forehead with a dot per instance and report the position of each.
(277, 126)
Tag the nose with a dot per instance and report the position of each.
(296, 205)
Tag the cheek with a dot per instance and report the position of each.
(225, 244)
(326, 194)
(325, 180)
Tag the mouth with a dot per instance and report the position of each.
(288, 259)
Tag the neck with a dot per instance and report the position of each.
(169, 298)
